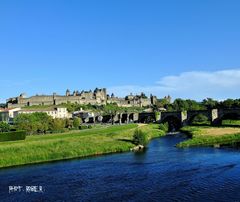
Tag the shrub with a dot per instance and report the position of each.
(37, 122)
(4, 127)
(200, 119)
(83, 127)
(140, 138)
(164, 127)
(12, 136)
(76, 122)
(157, 116)
(57, 125)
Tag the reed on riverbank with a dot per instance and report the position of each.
(52, 147)
(210, 136)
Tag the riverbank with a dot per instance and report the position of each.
(90, 142)
(210, 136)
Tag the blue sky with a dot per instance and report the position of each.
(186, 48)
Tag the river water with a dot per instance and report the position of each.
(161, 173)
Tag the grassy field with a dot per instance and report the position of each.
(231, 122)
(52, 147)
(210, 136)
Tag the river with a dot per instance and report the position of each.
(161, 173)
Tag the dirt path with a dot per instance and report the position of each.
(220, 131)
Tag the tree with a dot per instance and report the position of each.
(33, 123)
(76, 122)
(209, 103)
(163, 103)
(200, 119)
(4, 127)
(57, 125)
(164, 127)
(25, 122)
(180, 105)
(229, 103)
(41, 120)
(68, 123)
(140, 138)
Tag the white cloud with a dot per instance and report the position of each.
(194, 85)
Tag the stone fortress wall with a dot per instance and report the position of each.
(96, 97)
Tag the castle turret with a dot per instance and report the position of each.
(153, 99)
(68, 92)
(23, 95)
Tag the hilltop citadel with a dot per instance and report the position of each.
(96, 97)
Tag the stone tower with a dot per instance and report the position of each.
(153, 99)
(68, 92)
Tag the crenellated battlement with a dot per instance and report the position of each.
(95, 97)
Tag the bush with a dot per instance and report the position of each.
(4, 127)
(164, 127)
(83, 127)
(57, 125)
(37, 122)
(200, 119)
(140, 138)
(12, 136)
(157, 116)
(76, 122)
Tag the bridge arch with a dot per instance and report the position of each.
(228, 116)
(147, 117)
(131, 118)
(174, 122)
(194, 116)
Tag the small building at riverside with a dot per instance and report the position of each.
(58, 112)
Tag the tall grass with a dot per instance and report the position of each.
(198, 139)
(84, 143)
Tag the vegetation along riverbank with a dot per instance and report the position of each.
(210, 136)
(90, 142)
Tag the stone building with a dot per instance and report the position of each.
(58, 112)
(96, 97)
(7, 114)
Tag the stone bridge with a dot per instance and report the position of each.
(215, 116)
(177, 119)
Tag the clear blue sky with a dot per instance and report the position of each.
(125, 45)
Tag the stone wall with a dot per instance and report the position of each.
(97, 97)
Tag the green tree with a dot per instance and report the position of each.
(200, 119)
(180, 105)
(229, 103)
(4, 127)
(33, 123)
(57, 125)
(140, 138)
(68, 123)
(25, 122)
(164, 127)
(76, 122)
(42, 121)
(209, 103)
(162, 103)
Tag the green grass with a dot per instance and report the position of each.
(231, 122)
(12, 136)
(200, 137)
(52, 147)
(38, 107)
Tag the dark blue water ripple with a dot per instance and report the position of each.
(162, 173)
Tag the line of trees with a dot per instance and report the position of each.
(41, 123)
(188, 104)
(71, 107)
